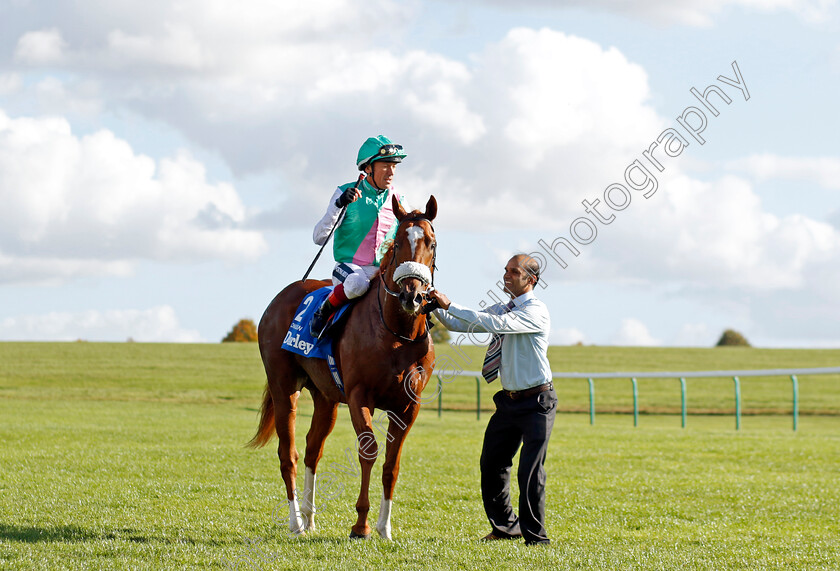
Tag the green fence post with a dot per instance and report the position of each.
(795, 400)
(737, 403)
(477, 398)
(591, 402)
(682, 393)
(440, 396)
(635, 403)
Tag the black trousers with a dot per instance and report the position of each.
(526, 422)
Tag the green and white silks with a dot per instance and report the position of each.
(368, 224)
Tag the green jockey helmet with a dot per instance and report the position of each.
(379, 148)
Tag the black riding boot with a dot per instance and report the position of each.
(319, 320)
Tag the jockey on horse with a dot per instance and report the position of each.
(382, 357)
(367, 223)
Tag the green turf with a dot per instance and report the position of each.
(818, 394)
(130, 456)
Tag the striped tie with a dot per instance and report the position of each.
(493, 359)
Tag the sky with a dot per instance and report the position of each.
(673, 165)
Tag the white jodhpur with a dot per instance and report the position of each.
(358, 282)
(383, 524)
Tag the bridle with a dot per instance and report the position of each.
(405, 270)
(411, 272)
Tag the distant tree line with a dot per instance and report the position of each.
(245, 331)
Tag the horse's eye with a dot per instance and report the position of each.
(433, 246)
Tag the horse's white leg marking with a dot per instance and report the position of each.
(295, 521)
(383, 525)
(308, 507)
(415, 234)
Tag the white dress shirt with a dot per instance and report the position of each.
(524, 331)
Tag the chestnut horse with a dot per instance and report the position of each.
(385, 356)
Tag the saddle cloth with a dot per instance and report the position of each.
(299, 340)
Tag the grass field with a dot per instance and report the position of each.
(130, 456)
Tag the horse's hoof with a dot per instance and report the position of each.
(354, 535)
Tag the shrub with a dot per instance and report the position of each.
(244, 331)
(732, 338)
(439, 332)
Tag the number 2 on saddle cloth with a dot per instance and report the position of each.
(299, 340)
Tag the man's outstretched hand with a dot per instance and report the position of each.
(439, 299)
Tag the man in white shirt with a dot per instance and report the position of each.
(526, 405)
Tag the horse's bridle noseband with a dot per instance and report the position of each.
(427, 277)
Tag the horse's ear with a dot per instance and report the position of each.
(398, 209)
(431, 208)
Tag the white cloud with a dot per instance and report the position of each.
(823, 171)
(94, 204)
(834, 219)
(41, 47)
(258, 40)
(290, 87)
(634, 333)
(282, 88)
(10, 83)
(713, 243)
(695, 335)
(564, 90)
(559, 111)
(688, 12)
(177, 47)
(436, 97)
(703, 13)
(57, 97)
(715, 235)
(566, 336)
(158, 324)
(54, 270)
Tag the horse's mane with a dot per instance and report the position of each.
(385, 261)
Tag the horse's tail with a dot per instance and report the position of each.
(265, 431)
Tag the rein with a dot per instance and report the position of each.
(393, 262)
(391, 331)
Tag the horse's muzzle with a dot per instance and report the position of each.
(411, 300)
(411, 277)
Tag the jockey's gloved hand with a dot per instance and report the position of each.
(348, 196)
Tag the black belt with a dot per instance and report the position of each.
(516, 395)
